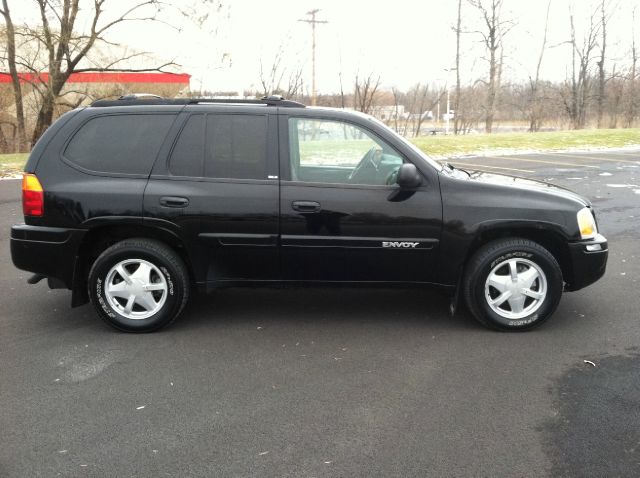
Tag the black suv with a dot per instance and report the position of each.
(132, 203)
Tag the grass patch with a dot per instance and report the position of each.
(12, 163)
(443, 146)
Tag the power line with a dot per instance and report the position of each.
(312, 21)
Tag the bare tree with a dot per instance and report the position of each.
(295, 84)
(342, 98)
(604, 20)
(420, 99)
(535, 106)
(411, 99)
(471, 108)
(632, 90)
(15, 78)
(420, 106)
(63, 46)
(456, 101)
(66, 48)
(397, 98)
(613, 95)
(273, 81)
(493, 36)
(365, 90)
(575, 100)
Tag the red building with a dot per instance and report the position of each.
(80, 88)
(111, 78)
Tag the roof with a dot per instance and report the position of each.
(106, 77)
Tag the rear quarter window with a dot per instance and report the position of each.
(123, 144)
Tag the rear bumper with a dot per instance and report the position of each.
(588, 262)
(49, 251)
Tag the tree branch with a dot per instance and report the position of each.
(130, 70)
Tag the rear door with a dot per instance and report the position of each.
(343, 218)
(217, 188)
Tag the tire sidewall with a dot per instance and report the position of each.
(98, 277)
(554, 288)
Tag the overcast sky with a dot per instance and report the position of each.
(404, 41)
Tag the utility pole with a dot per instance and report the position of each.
(313, 23)
(448, 70)
(446, 131)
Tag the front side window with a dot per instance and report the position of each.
(229, 146)
(126, 143)
(337, 152)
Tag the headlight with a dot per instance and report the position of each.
(587, 224)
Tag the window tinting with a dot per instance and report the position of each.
(119, 143)
(188, 153)
(227, 146)
(236, 147)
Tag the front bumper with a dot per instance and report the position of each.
(48, 251)
(588, 262)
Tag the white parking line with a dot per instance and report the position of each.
(625, 153)
(555, 163)
(595, 158)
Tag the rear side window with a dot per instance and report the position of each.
(228, 146)
(125, 144)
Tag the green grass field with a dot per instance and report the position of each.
(11, 163)
(444, 146)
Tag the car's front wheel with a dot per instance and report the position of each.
(512, 284)
(138, 285)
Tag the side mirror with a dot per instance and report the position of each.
(408, 176)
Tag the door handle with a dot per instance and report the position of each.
(174, 201)
(306, 206)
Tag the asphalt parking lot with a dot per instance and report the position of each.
(334, 382)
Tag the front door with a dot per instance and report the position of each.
(343, 218)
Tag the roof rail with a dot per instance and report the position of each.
(138, 96)
(150, 99)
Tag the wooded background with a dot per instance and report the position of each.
(600, 90)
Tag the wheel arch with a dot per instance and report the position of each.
(102, 236)
(552, 240)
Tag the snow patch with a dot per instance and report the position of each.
(515, 152)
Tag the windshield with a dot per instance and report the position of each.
(413, 147)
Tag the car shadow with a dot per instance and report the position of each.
(346, 306)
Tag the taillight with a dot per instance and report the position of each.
(32, 196)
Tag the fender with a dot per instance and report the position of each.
(458, 246)
(157, 228)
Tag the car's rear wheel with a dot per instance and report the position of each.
(138, 285)
(512, 284)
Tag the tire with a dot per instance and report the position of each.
(147, 270)
(512, 284)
